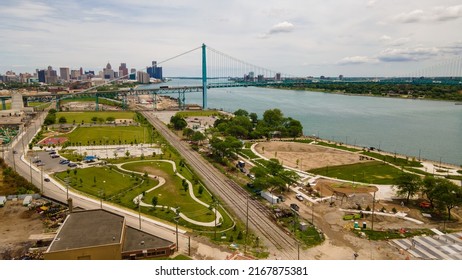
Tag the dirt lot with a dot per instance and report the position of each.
(17, 224)
(341, 242)
(307, 156)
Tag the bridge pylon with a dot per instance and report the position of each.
(204, 77)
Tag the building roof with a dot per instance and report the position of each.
(87, 229)
(136, 240)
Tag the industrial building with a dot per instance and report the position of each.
(101, 235)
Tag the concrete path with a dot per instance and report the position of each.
(161, 183)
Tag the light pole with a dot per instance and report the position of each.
(41, 177)
(139, 210)
(177, 217)
(246, 224)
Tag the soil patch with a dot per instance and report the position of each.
(305, 156)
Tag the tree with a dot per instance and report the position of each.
(110, 119)
(241, 112)
(430, 187)
(253, 117)
(188, 132)
(448, 195)
(178, 122)
(408, 185)
(94, 119)
(198, 136)
(62, 120)
(200, 190)
(154, 201)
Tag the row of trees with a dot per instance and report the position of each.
(273, 176)
(433, 91)
(245, 125)
(440, 192)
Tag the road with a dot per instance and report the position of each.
(279, 242)
(55, 190)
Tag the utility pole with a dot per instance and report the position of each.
(177, 217)
(41, 177)
(139, 210)
(373, 210)
(246, 224)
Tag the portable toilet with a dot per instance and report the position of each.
(27, 200)
(2, 201)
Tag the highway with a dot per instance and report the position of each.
(278, 241)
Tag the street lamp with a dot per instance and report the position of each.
(176, 218)
(139, 210)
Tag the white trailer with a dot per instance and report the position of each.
(269, 197)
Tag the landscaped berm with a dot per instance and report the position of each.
(53, 141)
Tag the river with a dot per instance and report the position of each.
(431, 129)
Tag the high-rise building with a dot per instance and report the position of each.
(41, 76)
(143, 77)
(154, 71)
(64, 73)
(75, 74)
(123, 71)
(108, 73)
(132, 74)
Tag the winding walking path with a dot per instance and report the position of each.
(161, 183)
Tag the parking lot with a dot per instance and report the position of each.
(47, 162)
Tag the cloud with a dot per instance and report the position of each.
(407, 54)
(353, 60)
(27, 10)
(411, 17)
(434, 15)
(371, 3)
(389, 41)
(282, 27)
(448, 13)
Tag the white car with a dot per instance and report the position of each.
(299, 197)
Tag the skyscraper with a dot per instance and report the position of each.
(123, 71)
(154, 71)
(64, 73)
(108, 73)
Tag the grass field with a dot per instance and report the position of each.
(172, 193)
(340, 147)
(394, 160)
(86, 117)
(372, 172)
(110, 135)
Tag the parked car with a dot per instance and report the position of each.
(64, 161)
(36, 160)
(71, 164)
(54, 156)
(52, 152)
(46, 179)
(294, 206)
(299, 197)
(40, 163)
(251, 176)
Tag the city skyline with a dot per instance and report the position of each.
(352, 38)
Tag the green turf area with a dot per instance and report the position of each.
(336, 146)
(86, 117)
(93, 180)
(248, 153)
(172, 193)
(394, 160)
(206, 113)
(372, 172)
(109, 135)
(393, 234)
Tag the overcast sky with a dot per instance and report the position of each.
(300, 37)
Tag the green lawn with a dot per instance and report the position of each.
(172, 193)
(109, 134)
(336, 146)
(394, 160)
(86, 117)
(97, 179)
(372, 172)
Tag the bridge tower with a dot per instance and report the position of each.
(204, 77)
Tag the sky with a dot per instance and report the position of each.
(299, 37)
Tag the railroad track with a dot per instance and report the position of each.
(259, 217)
